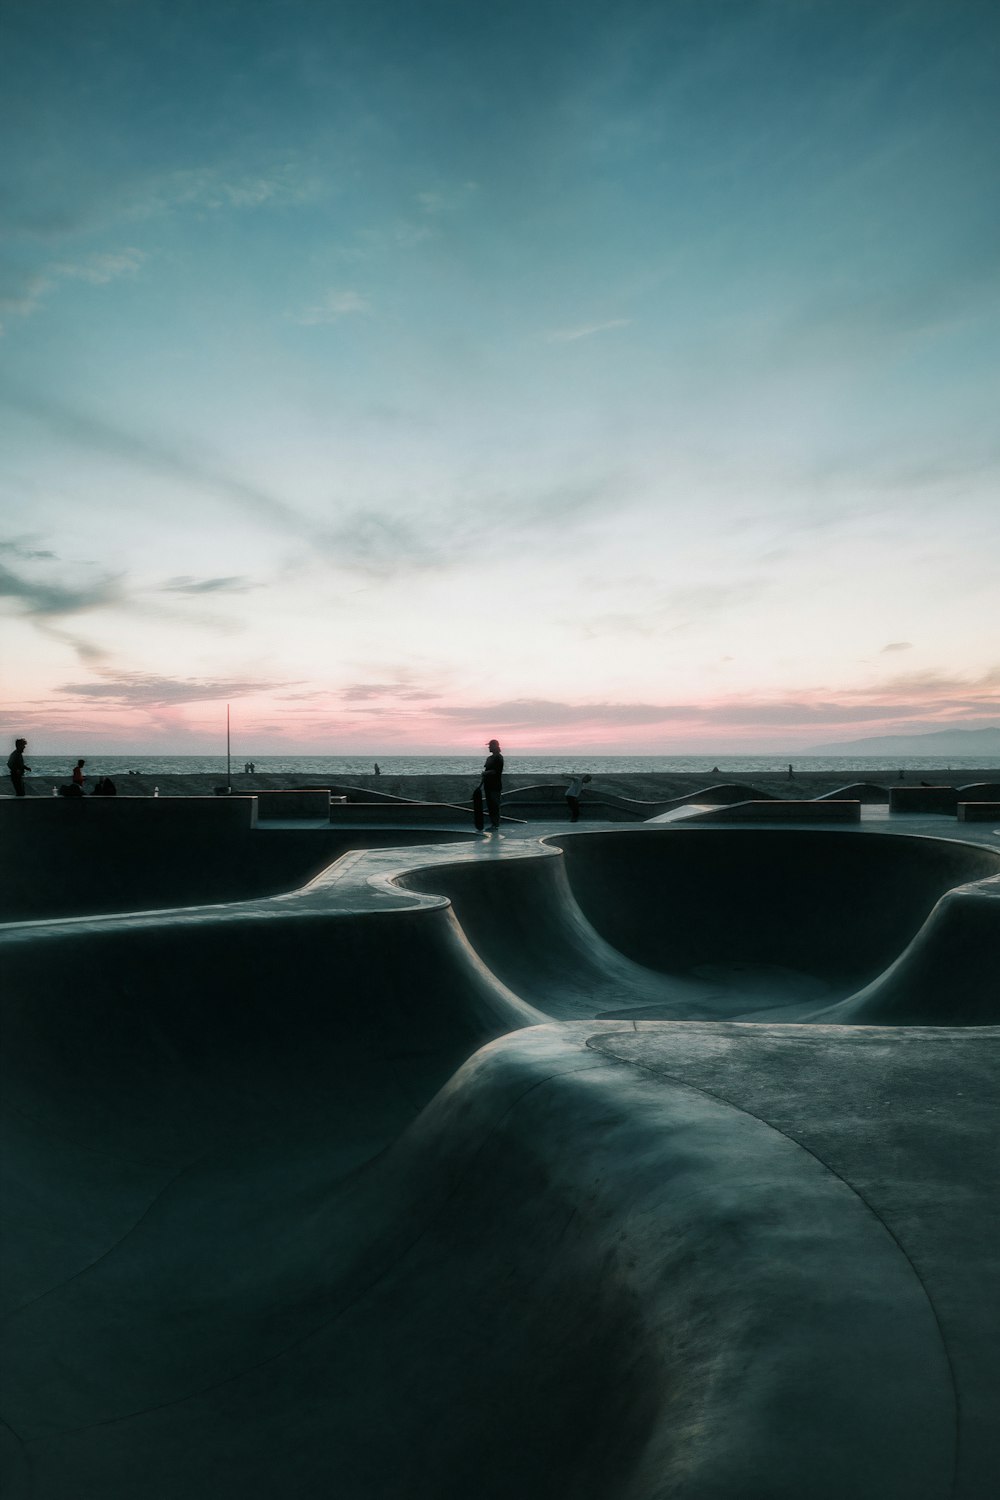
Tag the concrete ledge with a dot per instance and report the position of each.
(301, 802)
(923, 799)
(47, 817)
(978, 812)
(782, 812)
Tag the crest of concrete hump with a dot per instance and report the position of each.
(867, 792)
(611, 807)
(949, 975)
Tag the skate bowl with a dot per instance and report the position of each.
(461, 1171)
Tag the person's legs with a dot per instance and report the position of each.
(18, 781)
(493, 809)
(573, 803)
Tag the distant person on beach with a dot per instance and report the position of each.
(378, 769)
(493, 784)
(16, 767)
(78, 776)
(573, 794)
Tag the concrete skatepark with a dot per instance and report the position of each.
(645, 1161)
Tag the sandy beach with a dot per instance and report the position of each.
(652, 787)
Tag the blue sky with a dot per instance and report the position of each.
(615, 376)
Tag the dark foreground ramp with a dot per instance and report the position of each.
(271, 1234)
(135, 1052)
(612, 1264)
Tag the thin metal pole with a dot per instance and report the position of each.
(229, 771)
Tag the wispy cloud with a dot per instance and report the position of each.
(897, 646)
(334, 306)
(584, 331)
(184, 584)
(144, 690)
(926, 700)
(23, 547)
(27, 291)
(223, 186)
(364, 692)
(88, 431)
(46, 599)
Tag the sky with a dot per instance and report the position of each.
(612, 376)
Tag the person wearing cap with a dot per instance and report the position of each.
(493, 784)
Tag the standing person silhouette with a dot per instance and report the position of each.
(16, 766)
(493, 784)
(573, 794)
(78, 777)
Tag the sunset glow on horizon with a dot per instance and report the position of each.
(618, 379)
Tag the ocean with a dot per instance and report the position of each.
(341, 766)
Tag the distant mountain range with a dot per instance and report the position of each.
(984, 743)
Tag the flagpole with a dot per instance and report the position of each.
(229, 773)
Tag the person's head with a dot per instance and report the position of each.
(586, 778)
(81, 762)
(20, 744)
(493, 745)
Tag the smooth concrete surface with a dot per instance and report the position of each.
(399, 814)
(312, 1196)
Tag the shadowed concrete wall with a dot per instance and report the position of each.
(87, 855)
(300, 802)
(773, 811)
(948, 976)
(826, 902)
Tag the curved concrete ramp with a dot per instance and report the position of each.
(948, 976)
(309, 1198)
(980, 791)
(133, 1051)
(828, 903)
(547, 800)
(866, 792)
(580, 1272)
(522, 919)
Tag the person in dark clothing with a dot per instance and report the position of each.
(16, 766)
(573, 794)
(105, 788)
(493, 784)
